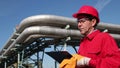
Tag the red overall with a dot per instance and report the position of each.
(102, 49)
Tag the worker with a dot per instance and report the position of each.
(97, 49)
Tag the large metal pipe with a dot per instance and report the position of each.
(46, 20)
(47, 31)
(43, 30)
(9, 42)
(112, 28)
(59, 21)
(32, 38)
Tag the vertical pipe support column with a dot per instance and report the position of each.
(22, 57)
(5, 65)
(18, 66)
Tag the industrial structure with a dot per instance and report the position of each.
(36, 33)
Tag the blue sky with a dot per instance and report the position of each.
(12, 12)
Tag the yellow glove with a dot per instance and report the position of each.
(64, 63)
(77, 56)
(70, 63)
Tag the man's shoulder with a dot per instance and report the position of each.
(104, 35)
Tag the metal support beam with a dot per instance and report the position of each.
(55, 61)
(38, 66)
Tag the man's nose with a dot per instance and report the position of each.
(79, 24)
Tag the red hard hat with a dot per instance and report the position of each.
(87, 10)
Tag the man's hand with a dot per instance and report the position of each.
(83, 62)
(76, 61)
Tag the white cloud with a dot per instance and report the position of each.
(101, 4)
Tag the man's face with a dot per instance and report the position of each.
(85, 26)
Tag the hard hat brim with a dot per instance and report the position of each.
(78, 15)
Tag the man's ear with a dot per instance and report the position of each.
(94, 21)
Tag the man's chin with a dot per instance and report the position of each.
(82, 33)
